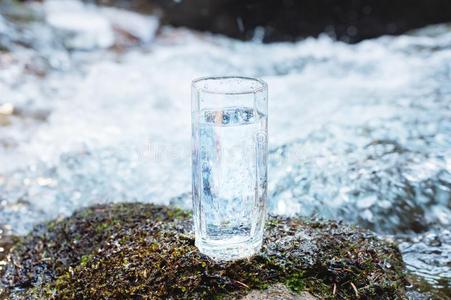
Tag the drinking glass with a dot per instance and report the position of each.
(229, 165)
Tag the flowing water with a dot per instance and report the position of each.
(356, 132)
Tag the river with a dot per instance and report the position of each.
(362, 133)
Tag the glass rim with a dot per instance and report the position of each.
(262, 85)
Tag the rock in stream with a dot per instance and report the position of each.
(144, 251)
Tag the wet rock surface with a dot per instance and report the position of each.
(278, 292)
(147, 251)
(288, 20)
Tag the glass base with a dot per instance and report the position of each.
(228, 251)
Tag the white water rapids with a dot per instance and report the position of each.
(357, 132)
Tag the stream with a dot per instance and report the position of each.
(95, 108)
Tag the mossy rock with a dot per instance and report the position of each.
(143, 251)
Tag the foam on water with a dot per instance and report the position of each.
(358, 132)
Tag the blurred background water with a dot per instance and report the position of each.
(95, 108)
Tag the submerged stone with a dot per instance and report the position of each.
(145, 251)
(77, 26)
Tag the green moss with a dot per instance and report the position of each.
(85, 259)
(178, 213)
(102, 227)
(129, 250)
(296, 282)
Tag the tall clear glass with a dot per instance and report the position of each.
(229, 152)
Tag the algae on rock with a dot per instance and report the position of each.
(146, 251)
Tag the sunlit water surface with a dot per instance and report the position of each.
(356, 132)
